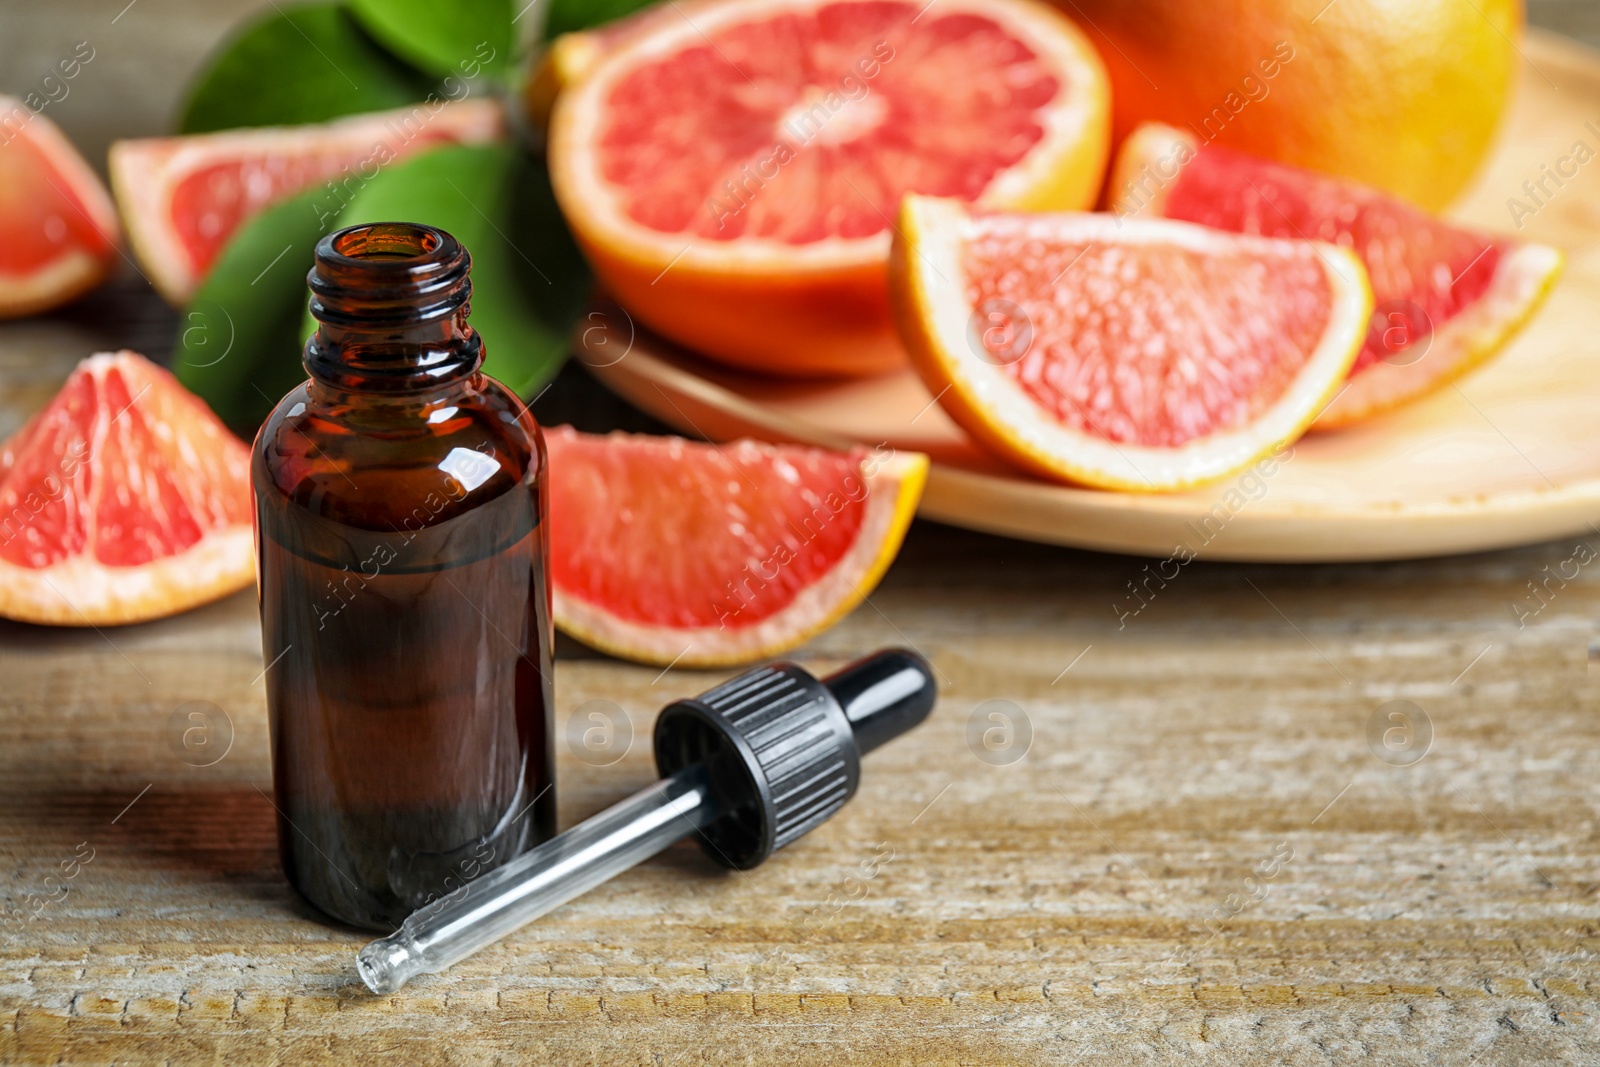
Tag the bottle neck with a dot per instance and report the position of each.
(391, 301)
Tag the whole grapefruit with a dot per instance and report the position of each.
(1404, 95)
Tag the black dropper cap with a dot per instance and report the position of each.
(784, 748)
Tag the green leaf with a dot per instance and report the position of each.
(459, 38)
(569, 15)
(299, 64)
(528, 281)
(240, 341)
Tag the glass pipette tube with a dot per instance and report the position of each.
(753, 764)
(542, 879)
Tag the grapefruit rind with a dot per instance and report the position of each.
(66, 278)
(145, 173)
(894, 487)
(80, 591)
(1147, 167)
(1522, 282)
(79, 270)
(570, 57)
(563, 63)
(813, 310)
(933, 312)
(1402, 95)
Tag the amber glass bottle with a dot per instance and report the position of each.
(405, 613)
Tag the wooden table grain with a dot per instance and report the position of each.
(1196, 832)
(1177, 839)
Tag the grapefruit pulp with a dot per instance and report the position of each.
(669, 551)
(1123, 353)
(123, 500)
(58, 230)
(1446, 298)
(732, 171)
(182, 197)
(569, 58)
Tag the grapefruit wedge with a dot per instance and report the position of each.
(58, 230)
(123, 500)
(668, 551)
(1127, 354)
(182, 197)
(1446, 298)
(732, 170)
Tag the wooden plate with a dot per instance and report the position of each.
(1510, 455)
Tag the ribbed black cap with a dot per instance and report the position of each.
(783, 752)
(781, 755)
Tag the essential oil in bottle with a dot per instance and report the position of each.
(405, 611)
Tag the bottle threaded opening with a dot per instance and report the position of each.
(388, 275)
(392, 300)
(387, 241)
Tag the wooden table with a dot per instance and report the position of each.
(1088, 902)
(1199, 835)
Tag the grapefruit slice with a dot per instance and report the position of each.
(1447, 298)
(182, 197)
(58, 230)
(123, 500)
(1128, 354)
(668, 551)
(732, 171)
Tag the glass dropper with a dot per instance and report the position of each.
(541, 879)
(748, 766)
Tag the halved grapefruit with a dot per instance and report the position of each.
(1123, 353)
(182, 197)
(1447, 298)
(668, 551)
(732, 171)
(58, 230)
(123, 500)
